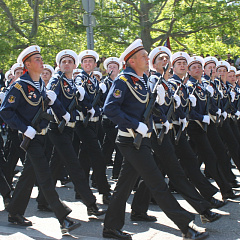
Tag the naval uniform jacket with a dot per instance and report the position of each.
(183, 93)
(91, 86)
(66, 93)
(127, 100)
(161, 115)
(22, 102)
(214, 99)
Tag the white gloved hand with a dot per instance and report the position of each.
(167, 125)
(177, 100)
(67, 117)
(210, 90)
(2, 96)
(160, 95)
(193, 100)
(92, 112)
(221, 93)
(52, 96)
(103, 87)
(184, 123)
(218, 112)
(30, 132)
(237, 114)
(232, 94)
(206, 119)
(224, 114)
(142, 129)
(81, 90)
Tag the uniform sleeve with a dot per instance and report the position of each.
(114, 106)
(9, 109)
(57, 107)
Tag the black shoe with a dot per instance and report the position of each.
(216, 203)
(235, 184)
(94, 210)
(106, 198)
(77, 196)
(44, 208)
(142, 217)
(19, 220)
(193, 234)
(230, 195)
(209, 216)
(68, 225)
(116, 234)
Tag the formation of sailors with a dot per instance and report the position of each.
(72, 119)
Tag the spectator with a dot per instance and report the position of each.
(2, 76)
(229, 60)
(237, 63)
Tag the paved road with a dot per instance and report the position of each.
(46, 226)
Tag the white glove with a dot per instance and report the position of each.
(66, 117)
(184, 123)
(224, 114)
(81, 90)
(237, 114)
(52, 96)
(160, 95)
(167, 125)
(92, 111)
(210, 90)
(142, 129)
(218, 112)
(2, 96)
(232, 94)
(177, 100)
(206, 119)
(103, 87)
(193, 100)
(221, 92)
(30, 132)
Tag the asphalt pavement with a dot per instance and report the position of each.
(46, 226)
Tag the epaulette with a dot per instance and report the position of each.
(123, 78)
(18, 86)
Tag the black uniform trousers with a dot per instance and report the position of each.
(91, 154)
(64, 154)
(206, 153)
(231, 141)
(168, 163)
(171, 166)
(189, 162)
(109, 145)
(220, 151)
(141, 163)
(36, 167)
(15, 152)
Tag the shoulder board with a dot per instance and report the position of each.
(18, 86)
(123, 78)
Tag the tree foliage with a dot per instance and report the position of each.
(195, 26)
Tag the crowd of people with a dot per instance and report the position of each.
(150, 115)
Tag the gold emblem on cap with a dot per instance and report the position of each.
(65, 52)
(36, 48)
(86, 52)
(194, 58)
(160, 49)
(180, 54)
